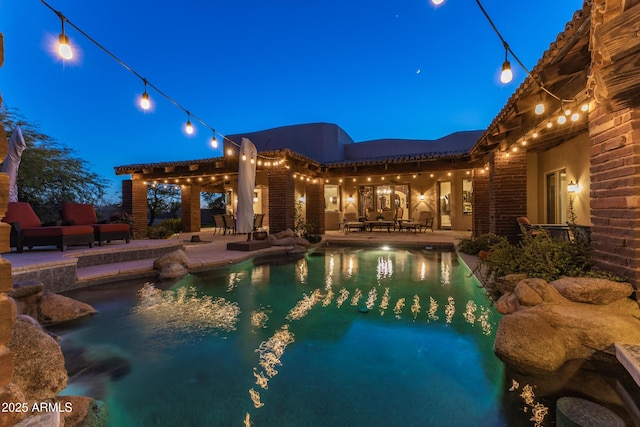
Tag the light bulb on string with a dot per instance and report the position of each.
(539, 106)
(189, 127)
(437, 2)
(507, 75)
(575, 117)
(145, 103)
(64, 48)
(244, 156)
(585, 107)
(214, 140)
(562, 119)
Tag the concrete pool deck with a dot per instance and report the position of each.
(80, 266)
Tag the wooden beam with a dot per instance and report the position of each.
(618, 83)
(620, 36)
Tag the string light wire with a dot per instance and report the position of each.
(146, 82)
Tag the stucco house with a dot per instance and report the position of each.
(583, 151)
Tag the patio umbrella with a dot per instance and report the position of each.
(12, 161)
(246, 185)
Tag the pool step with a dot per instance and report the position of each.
(629, 357)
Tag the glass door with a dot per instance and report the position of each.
(444, 207)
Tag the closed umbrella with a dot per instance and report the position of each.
(12, 161)
(246, 186)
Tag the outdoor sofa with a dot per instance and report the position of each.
(85, 214)
(27, 230)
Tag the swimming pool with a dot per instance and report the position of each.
(337, 337)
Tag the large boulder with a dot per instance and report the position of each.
(38, 362)
(591, 290)
(176, 257)
(541, 330)
(85, 411)
(56, 308)
(27, 294)
(172, 270)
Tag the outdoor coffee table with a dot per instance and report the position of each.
(380, 224)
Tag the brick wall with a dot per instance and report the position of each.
(507, 192)
(134, 201)
(315, 205)
(190, 199)
(615, 191)
(480, 214)
(281, 200)
(7, 307)
(614, 136)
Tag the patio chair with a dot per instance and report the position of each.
(27, 230)
(218, 221)
(229, 224)
(425, 220)
(351, 222)
(257, 222)
(526, 226)
(85, 214)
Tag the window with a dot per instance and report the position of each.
(556, 200)
(467, 193)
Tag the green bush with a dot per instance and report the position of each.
(165, 228)
(483, 242)
(538, 257)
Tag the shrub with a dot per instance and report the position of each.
(483, 242)
(538, 257)
(165, 228)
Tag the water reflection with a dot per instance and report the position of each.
(259, 319)
(303, 270)
(470, 312)
(433, 308)
(173, 313)
(384, 304)
(384, 268)
(344, 294)
(371, 298)
(450, 309)
(415, 307)
(538, 410)
(233, 280)
(304, 305)
(357, 294)
(445, 268)
(398, 308)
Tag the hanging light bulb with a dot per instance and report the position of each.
(549, 124)
(575, 117)
(540, 105)
(507, 75)
(585, 107)
(64, 48)
(244, 156)
(437, 2)
(145, 104)
(214, 140)
(562, 119)
(189, 127)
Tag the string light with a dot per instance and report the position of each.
(64, 48)
(189, 127)
(65, 51)
(507, 75)
(540, 105)
(145, 103)
(214, 141)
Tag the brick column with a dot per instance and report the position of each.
(315, 205)
(507, 193)
(480, 214)
(190, 202)
(7, 307)
(134, 202)
(282, 207)
(614, 133)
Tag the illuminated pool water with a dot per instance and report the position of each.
(339, 337)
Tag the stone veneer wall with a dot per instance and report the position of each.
(507, 192)
(315, 205)
(190, 202)
(134, 201)
(7, 307)
(615, 164)
(480, 214)
(282, 207)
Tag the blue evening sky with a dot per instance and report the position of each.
(378, 69)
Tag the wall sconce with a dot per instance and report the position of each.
(333, 200)
(421, 197)
(572, 188)
(350, 198)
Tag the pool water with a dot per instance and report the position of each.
(337, 337)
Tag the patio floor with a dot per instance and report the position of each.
(82, 266)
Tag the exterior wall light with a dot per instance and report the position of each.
(421, 197)
(572, 187)
(350, 198)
